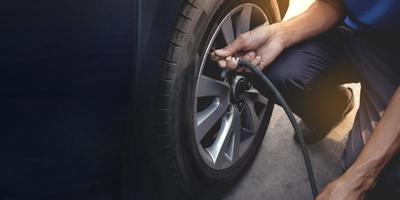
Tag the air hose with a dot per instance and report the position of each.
(279, 99)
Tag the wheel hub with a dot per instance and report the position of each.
(239, 85)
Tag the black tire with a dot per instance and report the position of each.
(179, 171)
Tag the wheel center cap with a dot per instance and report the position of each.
(239, 85)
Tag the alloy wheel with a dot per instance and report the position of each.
(228, 109)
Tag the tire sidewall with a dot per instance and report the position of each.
(195, 172)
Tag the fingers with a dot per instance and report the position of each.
(233, 48)
(270, 53)
(249, 56)
(262, 65)
(256, 61)
(222, 63)
(269, 57)
(231, 63)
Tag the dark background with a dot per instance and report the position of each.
(77, 80)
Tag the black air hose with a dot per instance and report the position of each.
(289, 113)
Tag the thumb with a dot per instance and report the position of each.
(232, 48)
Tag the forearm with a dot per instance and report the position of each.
(320, 17)
(383, 144)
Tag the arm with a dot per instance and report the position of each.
(383, 144)
(263, 44)
(320, 17)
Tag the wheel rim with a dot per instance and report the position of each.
(228, 109)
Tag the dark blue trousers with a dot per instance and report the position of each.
(309, 76)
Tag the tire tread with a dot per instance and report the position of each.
(163, 138)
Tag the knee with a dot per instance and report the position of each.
(287, 79)
(295, 71)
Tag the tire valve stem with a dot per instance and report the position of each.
(217, 58)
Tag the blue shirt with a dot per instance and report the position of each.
(378, 15)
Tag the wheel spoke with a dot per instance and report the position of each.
(228, 132)
(257, 96)
(242, 23)
(249, 135)
(250, 115)
(252, 119)
(237, 131)
(227, 30)
(207, 87)
(244, 145)
(209, 116)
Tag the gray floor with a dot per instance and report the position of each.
(279, 172)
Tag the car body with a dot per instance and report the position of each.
(79, 80)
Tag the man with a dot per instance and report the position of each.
(310, 56)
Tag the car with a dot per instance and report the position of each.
(119, 99)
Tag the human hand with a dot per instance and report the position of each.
(342, 189)
(259, 46)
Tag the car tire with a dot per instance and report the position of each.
(179, 170)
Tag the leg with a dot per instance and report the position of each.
(377, 59)
(308, 76)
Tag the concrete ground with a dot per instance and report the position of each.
(278, 171)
